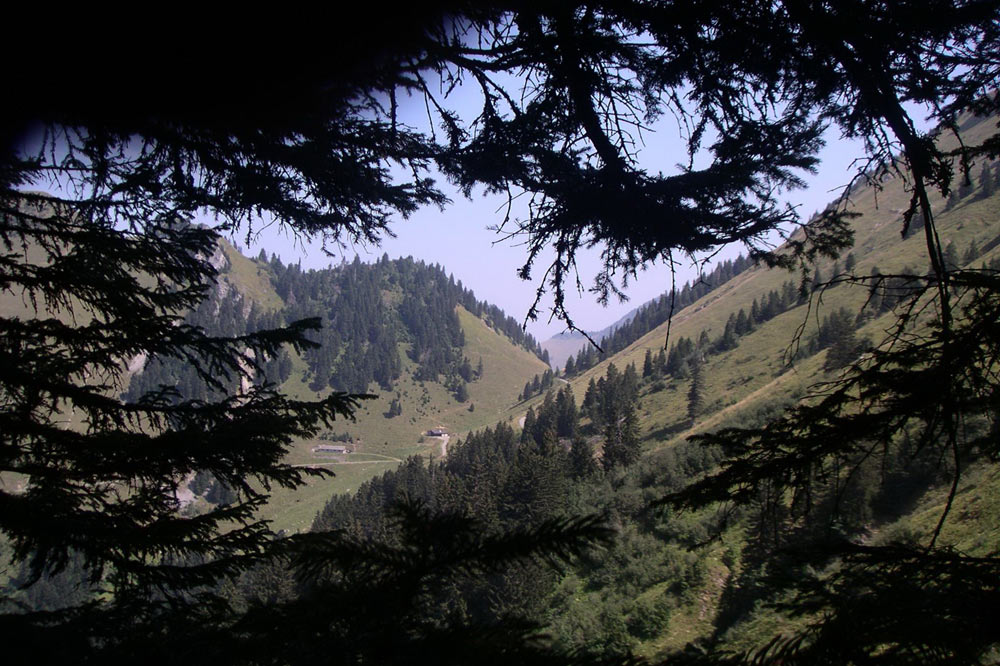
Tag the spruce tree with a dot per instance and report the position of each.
(567, 419)
(951, 260)
(621, 437)
(581, 459)
(817, 279)
(695, 396)
(647, 364)
(315, 143)
(987, 182)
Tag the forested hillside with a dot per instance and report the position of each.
(613, 439)
(366, 315)
(434, 356)
(574, 353)
(607, 437)
(797, 467)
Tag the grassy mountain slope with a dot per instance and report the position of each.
(380, 442)
(757, 370)
(249, 278)
(748, 384)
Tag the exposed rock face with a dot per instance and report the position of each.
(137, 363)
(218, 259)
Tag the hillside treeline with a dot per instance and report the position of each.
(369, 312)
(655, 313)
(369, 309)
(571, 461)
(507, 479)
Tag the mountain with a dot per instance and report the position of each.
(434, 357)
(756, 370)
(613, 438)
(563, 345)
(737, 357)
(568, 343)
(637, 322)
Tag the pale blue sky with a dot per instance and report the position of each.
(458, 238)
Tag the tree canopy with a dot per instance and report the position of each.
(106, 262)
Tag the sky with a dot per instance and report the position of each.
(461, 241)
(460, 238)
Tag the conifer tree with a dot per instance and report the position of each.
(971, 253)
(987, 183)
(567, 416)
(318, 146)
(695, 396)
(621, 437)
(647, 364)
(951, 260)
(817, 279)
(581, 459)
(661, 362)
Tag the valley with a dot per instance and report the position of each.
(671, 566)
(269, 457)
(457, 407)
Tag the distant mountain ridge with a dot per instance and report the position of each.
(568, 343)
(438, 359)
(739, 355)
(637, 322)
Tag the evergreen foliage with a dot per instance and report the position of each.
(506, 482)
(696, 392)
(901, 400)
(538, 385)
(105, 472)
(655, 313)
(359, 341)
(987, 181)
(318, 146)
(621, 438)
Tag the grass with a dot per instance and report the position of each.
(755, 373)
(252, 280)
(745, 384)
(973, 523)
(694, 616)
(381, 442)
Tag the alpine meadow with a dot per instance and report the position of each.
(211, 458)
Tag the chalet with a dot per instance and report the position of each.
(331, 448)
(436, 432)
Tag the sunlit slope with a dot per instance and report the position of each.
(249, 278)
(750, 384)
(757, 372)
(380, 443)
(379, 439)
